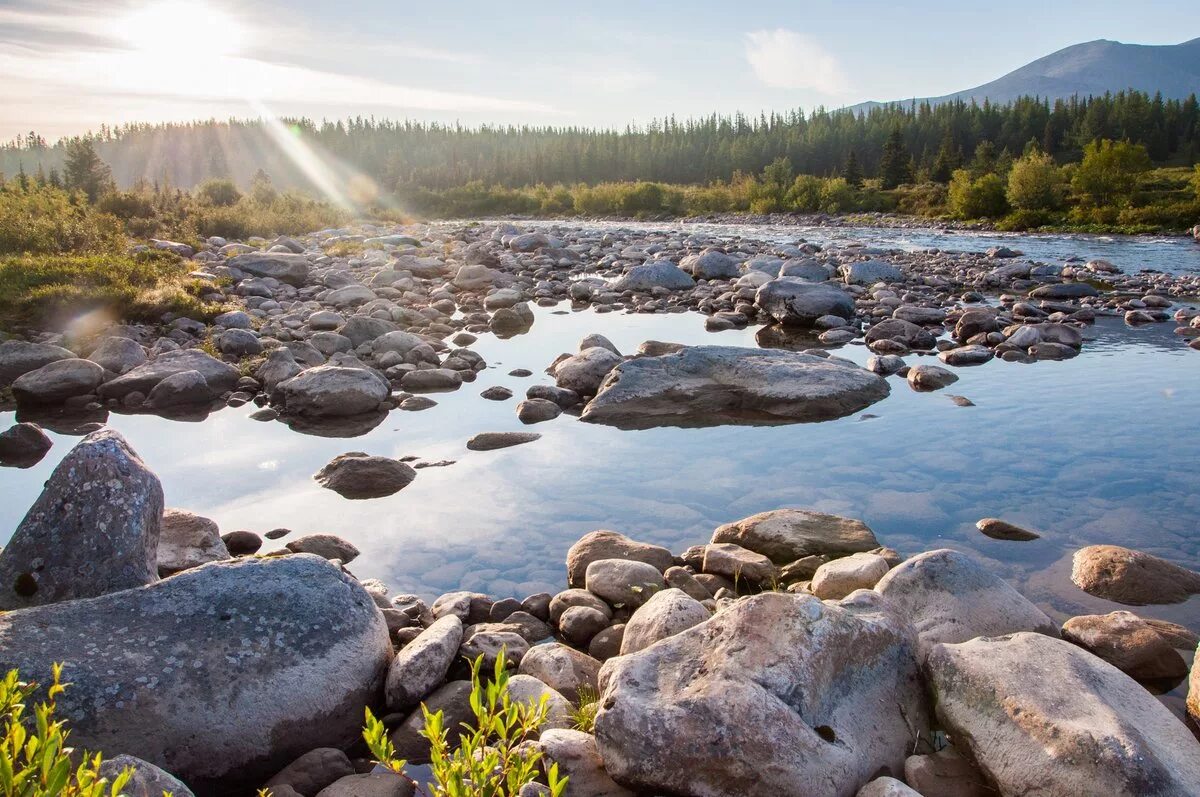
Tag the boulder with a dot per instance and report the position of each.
(796, 302)
(837, 579)
(665, 614)
(1129, 643)
(93, 530)
(579, 761)
(731, 561)
(180, 390)
(357, 475)
(711, 265)
(562, 668)
(930, 377)
(604, 544)
(905, 332)
(1041, 716)
(583, 372)
(1131, 577)
(362, 329)
(290, 268)
(23, 445)
(219, 376)
(785, 535)
(780, 694)
(868, 272)
(187, 540)
(147, 780)
(949, 597)
(19, 357)
(623, 582)
(422, 664)
(658, 274)
(333, 391)
(118, 355)
(279, 366)
(1064, 290)
(714, 385)
(58, 381)
(313, 771)
(297, 647)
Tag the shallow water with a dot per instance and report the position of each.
(1130, 253)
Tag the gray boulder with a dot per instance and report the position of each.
(562, 668)
(333, 391)
(666, 614)
(579, 761)
(780, 694)
(295, 645)
(906, 332)
(422, 664)
(357, 475)
(868, 272)
(714, 385)
(218, 375)
(657, 274)
(118, 355)
(785, 535)
(179, 390)
(793, 301)
(711, 264)
(57, 381)
(584, 372)
(23, 445)
(19, 357)
(623, 582)
(188, 540)
(362, 329)
(286, 267)
(1041, 716)
(147, 780)
(604, 544)
(93, 530)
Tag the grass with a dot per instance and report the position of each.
(583, 716)
(50, 290)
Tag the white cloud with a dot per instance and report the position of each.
(785, 59)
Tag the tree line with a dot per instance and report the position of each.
(897, 144)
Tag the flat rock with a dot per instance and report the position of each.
(298, 647)
(714, 385)
(93, 530)
(286, 267)
(785, 535)
(334, 391)
(999, 529)
(1042, 716)
(356, 475)
(218, 375)
(490, 441)
(1131, 577)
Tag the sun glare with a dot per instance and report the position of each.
(179, 28)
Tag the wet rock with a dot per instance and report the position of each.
(313, 771)
(147, 780)
(1040, 715)
(58, 381)
(23, 445)
(796, 302)
(949, 597)
(357, 475)
(187, 540)
(423, 663)
(665, 614)
(834, 687)
(93, 530)
(490, 441)
(711, 385)
(579, 761)
(562, 668)
(604, 544)
(537, 411)
(837, 579)
(18, 357)
(333, 391)
(1129, 643)
(496, 393)
(930, 377)
(302, 686)
(326, 546)
(785, 535)
(966, 355)
(1131, 577)
(999, 529)
(218, 375)
(289, 268)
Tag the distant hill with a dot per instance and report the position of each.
(1091, 68)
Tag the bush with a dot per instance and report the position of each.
(221, 193)
(1036, 184)
(46, 220)
(490, 761)
(977, 198)
(1022, 220)
(35, 760)
(1110, 172)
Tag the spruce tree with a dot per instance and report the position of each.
(948, 158)
(895, 167)
(85, 171)
(852, 172)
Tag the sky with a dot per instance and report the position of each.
(68, 66)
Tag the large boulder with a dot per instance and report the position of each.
(57, 381)
(1131, 644)
(578, 760)
(868, 272)
(333, 391)
(285, 267)
(785, 535)
(1041, 716)
(712, 385)
(950, 597)
(780, 694)
(584, 372)
(118, 355)
(793, 301)
(711, 264)
(666, 614)
(1131, 577)
(657, 274)
(93, 530)
(423, 663)
(218, 375)
(20, 357)
(221, 675)
(604, 544)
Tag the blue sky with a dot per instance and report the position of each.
(66, 66)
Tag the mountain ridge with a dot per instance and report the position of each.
(1088, 68)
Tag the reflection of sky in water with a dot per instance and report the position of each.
(1131, 253)
(1096, 449)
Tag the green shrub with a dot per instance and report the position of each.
(1036, 184)
(35, 760)
(219, 192)
(47, 220)
(977, 198)
(1110, 172)
(490, 760)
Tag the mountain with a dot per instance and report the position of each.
(1091, 68)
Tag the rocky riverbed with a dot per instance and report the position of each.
(793, 624)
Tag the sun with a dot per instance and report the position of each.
(180, 28)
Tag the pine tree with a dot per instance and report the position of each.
(852, 172)
(85, 171)
(895, 166)
(949, 158)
